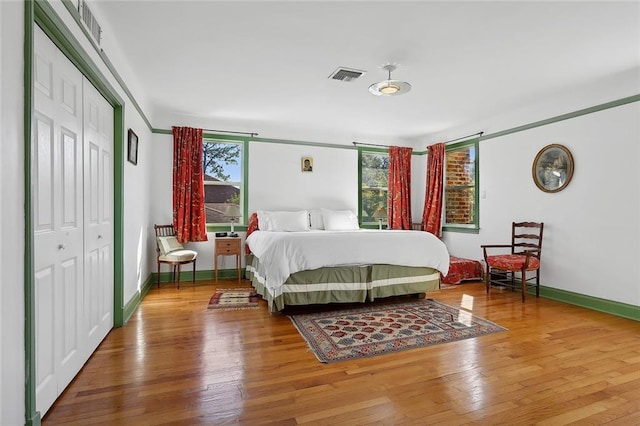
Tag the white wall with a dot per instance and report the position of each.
(592, 228)
(276, 181)
(160, 204)
(162, 169)
(11, 214)
(137, 200)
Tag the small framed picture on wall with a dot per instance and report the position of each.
(307, 164)
(132, 147)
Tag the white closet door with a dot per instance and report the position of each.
(73, 219)
(98, 216)
(58, 221)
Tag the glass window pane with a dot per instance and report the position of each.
(222, 163)
(375, 183)
(375, 170)
(460, 206)
(461, 167)
(217, 198)
(372, 200)
(460, 186)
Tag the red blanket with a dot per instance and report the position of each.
(463, 269)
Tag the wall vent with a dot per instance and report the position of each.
(346, 74)
(90, 21)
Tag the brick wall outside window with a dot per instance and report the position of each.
(460, 187)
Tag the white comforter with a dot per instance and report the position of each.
(284, 253)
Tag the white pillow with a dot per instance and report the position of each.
(283, 221)
(315, 219)
(169, 244)
(264, 220)
(339, 220)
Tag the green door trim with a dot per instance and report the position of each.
(32, 417)
(40, 12)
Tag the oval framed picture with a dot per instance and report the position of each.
(553, 168)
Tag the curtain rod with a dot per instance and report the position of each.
(251, 134)
(465, 137)
(369, 144)
(449, 141)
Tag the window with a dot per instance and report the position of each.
(223, 180)
(374, 184)
(461, 187)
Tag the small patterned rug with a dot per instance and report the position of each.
(229, 299)
(376, 330)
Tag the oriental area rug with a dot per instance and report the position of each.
(230, 299)
(375, 330)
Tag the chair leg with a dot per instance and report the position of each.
(538, 283)
(158, 274)
(524, 284)
(193, 279)
(487, 280)
(178, 277)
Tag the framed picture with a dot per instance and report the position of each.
(552, 168)
(132, 147)
(307, 164)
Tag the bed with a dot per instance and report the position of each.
(309, 258)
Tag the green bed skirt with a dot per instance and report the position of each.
(344, 284)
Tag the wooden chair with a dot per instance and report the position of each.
(524, 258)
(171, 252)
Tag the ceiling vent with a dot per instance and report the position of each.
(346, 74)
(90, 21)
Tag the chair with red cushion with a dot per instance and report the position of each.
(524, 259)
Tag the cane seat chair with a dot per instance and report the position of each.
(171, 252)
(522, 262)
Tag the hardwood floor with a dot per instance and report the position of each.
(176, 362)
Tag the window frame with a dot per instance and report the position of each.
(474, 227)
(361, 151)
(243, 184)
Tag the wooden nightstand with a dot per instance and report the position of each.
(227, 246)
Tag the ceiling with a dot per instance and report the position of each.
(263, 66)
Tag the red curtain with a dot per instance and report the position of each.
(189, 218)
(399, 194)
(432, 214)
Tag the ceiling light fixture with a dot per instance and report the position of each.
(389, 87)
